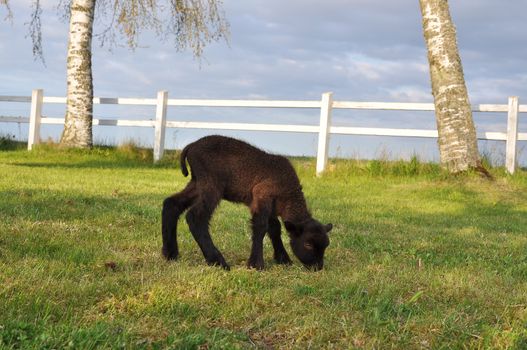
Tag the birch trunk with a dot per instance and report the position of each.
(79, 106)
(458, 145)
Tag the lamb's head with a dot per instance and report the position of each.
(309, 241)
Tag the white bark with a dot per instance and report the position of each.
(457, 135)
(79, 106)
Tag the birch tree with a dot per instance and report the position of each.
(458, 145)
(191, 23)
(79, 97)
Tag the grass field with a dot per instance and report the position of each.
(417, 260)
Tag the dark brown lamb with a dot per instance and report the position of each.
(226, 168)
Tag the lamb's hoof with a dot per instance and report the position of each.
(283, 260)
(219, 261)
(255, 264)
(223, 265)
(170, 254)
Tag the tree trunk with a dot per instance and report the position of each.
(458, 145)
(79, 105)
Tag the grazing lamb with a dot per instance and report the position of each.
(226, 168)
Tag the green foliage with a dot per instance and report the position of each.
(191, 24)
(8, 142)
(380, 168)
(417, 260)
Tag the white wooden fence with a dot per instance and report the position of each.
(324, 129)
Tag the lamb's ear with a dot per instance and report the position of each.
(328, 227)
(294, 229)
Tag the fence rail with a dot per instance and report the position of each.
(324, 129)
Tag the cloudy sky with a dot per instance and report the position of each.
(361, 50)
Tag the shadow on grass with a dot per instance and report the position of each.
(40, 205)
(99, 164)
(477, 233)
(101, 157)
(56, 225)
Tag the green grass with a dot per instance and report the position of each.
(417, 260)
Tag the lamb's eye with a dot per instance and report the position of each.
(308, 246)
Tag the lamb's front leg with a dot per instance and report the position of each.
(280, 254)
(259, 223)
(261, 208)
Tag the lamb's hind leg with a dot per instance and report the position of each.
(173, 207)
(198, 218)
(280, 254)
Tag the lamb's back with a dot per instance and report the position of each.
(239, 165)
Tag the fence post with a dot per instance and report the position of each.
(323, 131)
(160, 125)
(35, 115)
(512, 135)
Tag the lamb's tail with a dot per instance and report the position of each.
(183, 162)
